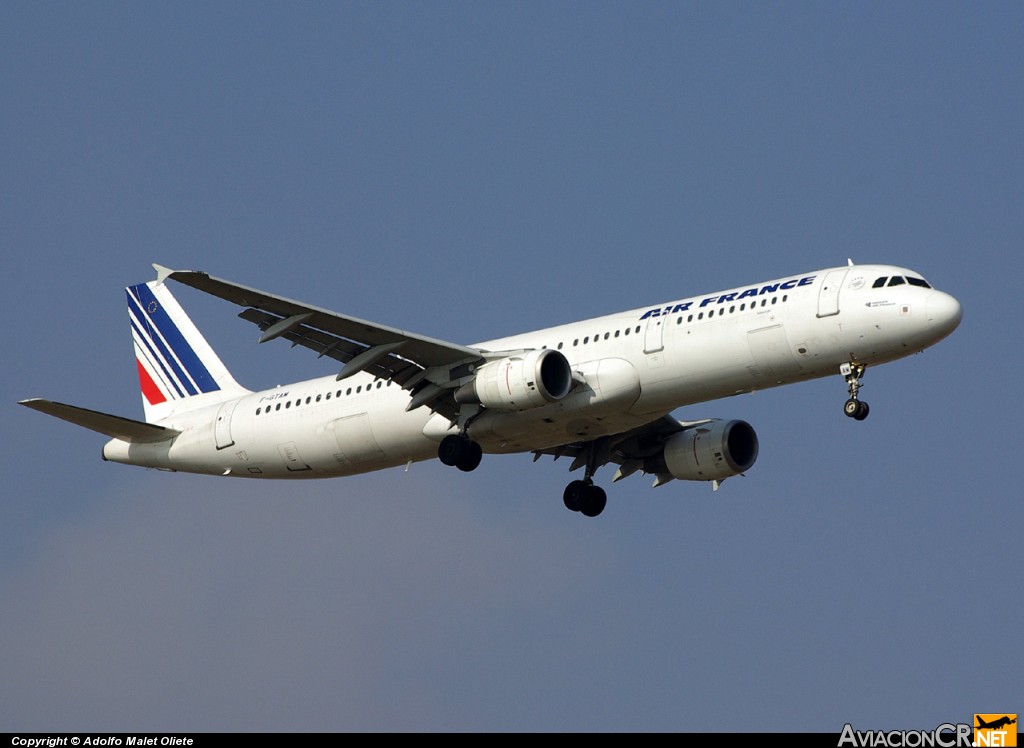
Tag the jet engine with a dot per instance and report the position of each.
(521, 382)
(714, 451)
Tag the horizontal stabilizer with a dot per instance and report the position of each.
(116, 427)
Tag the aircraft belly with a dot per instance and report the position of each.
(543, 435)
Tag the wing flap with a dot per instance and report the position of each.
(115, 427)
(385, 366)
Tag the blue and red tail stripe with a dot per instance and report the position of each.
(169, 355)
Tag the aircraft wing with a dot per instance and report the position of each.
(427, 367)
(117, 427)
(628, 450)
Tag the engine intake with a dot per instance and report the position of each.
(519, 382)
(714, 451)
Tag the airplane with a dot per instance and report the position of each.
(996, 723)
(598, 391)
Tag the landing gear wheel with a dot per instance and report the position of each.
(856, 409)
(457, 451)
(594, 501)
(584, 497)
(472, 453)
(574, 494)
(451, 450)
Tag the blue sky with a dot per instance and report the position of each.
(470, 170)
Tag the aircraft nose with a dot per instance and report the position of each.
(943, 311)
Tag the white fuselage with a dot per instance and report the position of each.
(631, 368)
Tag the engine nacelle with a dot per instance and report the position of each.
(520, 382)
(714, 451)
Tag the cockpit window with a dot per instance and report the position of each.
(880, 282)
(897, 280)
(919, 282)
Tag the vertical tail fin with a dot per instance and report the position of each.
(178, 369)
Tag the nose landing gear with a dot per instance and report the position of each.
(854, 407)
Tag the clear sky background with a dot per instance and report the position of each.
(470, 170)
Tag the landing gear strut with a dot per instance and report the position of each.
(854, 407)
(460, 452)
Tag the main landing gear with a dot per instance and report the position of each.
(460, 452)
(580, 496)
(854, 408)
(584, 497)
